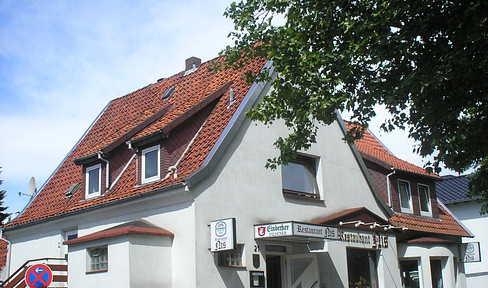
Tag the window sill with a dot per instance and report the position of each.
(235, 267)
(96, 271)
(302, 195)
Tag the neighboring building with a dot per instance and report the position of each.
(429, 250)
(168, 188)
(453, 191)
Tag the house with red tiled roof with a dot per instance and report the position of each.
(168, 188)
(429, 245)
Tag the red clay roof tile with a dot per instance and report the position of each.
(371, 146)
(121, 116)
(445, 225)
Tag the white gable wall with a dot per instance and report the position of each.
(171, 210)
(468, 213)
(241, 187)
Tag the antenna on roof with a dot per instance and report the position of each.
(32, 188)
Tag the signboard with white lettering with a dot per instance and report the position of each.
(471, 252)
(294, 229)
(223, 235)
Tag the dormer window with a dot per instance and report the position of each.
(405, 196)
(150, 164)
(424, 199)
(93, 181)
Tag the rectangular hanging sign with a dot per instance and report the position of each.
(223, 235)
(285, 229)
(471, 252)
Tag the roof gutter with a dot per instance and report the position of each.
(230, 130)
(107, 170)
(393, 171)
(96, 206)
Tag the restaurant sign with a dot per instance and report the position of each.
(471, 252)
(291, 228)
(364, 240)
(223, 235)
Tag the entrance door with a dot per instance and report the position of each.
(273, 271)
(302, 271)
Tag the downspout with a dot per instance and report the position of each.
(107, 170)
(9, 252)
(388, 185)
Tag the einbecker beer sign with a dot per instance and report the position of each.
(223, 235)
(294, 229)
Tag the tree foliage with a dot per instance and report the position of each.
(424, 60)
(3, 215)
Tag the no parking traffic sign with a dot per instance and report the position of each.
(38, 276)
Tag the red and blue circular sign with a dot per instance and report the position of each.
(38, 276)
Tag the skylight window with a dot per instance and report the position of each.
(168, 93)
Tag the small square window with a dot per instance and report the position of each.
(299, 177)
(231, 258)
(150, 164)
(424, 199)
(97, 259)
(405, 196)
(93, 181)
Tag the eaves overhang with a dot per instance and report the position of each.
(87, 159)
(179, 185)
(387, 209)
(164, 131)
(257, 88)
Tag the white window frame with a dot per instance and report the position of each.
(429, 203)
(305, 161)
(419, 269)
(87, 181)
(232, 258)
(90, 258)
(143, 170)
(410, 202)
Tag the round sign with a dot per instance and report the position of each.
(38, 276)
(220, 229)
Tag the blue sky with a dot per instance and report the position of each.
(61, 62)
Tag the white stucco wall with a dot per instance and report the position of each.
(150, 261)
(252, 194)
(452, 273)
(118, 273)
(172, 211)
(468, 213)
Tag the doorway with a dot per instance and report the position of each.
(273, 271)
(302, 271)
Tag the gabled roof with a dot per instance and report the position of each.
(453, 189)
(136, 227)
(137, 116)
(350, 218)
(372, 149)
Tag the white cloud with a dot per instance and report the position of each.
(62, 62)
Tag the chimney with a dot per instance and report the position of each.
(192, 62)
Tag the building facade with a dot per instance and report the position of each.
(168, 188)
(453, 191)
